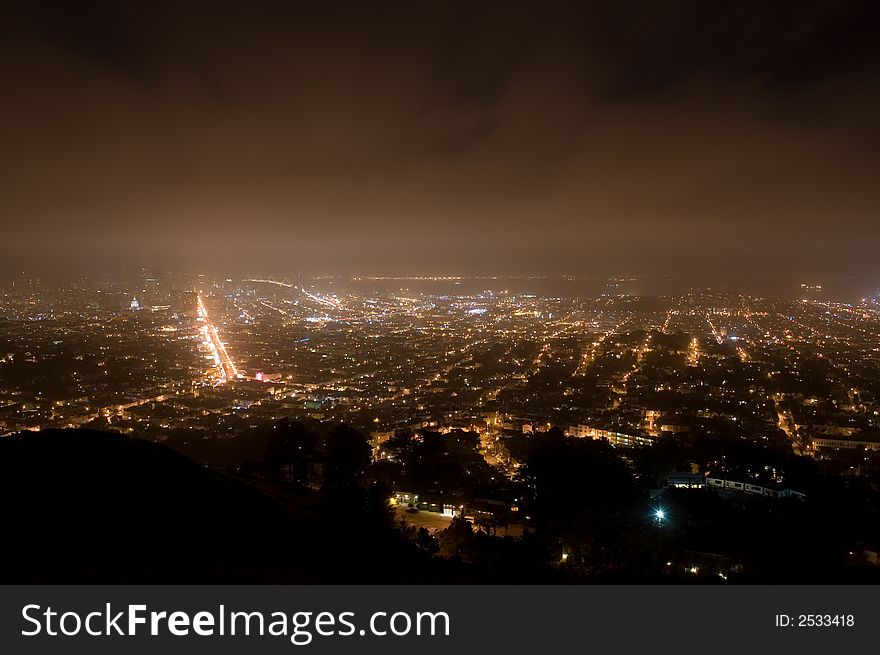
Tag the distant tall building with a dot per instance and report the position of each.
(182, 301)
(152, 293)
(620, 286)
(111, 300)
(811, 291)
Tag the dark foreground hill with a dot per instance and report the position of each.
(88, 506)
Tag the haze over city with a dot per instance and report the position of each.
(663, 138)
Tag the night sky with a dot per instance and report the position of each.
(674, 136)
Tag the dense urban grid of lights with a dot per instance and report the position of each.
(613, 366)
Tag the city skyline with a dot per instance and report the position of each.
(793, 286)
(199, 316)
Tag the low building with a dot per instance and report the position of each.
(855, 441)
(613, 437)
(751, 488)
(686, 480)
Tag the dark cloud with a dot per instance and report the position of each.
(776, 47)
(640, 136)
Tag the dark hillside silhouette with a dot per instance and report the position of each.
(88, 506)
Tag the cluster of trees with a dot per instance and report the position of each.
(335, 458)
(592, 516)
(444, 463)
(586, 505)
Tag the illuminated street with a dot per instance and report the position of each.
(221, 357)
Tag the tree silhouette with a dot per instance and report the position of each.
(582, 494)
(346, 458)
(290, 448)
(450, 539)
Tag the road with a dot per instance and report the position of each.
(786, 424)
(431, 521)
(221, 357)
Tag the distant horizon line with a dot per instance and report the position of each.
(448, 276)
